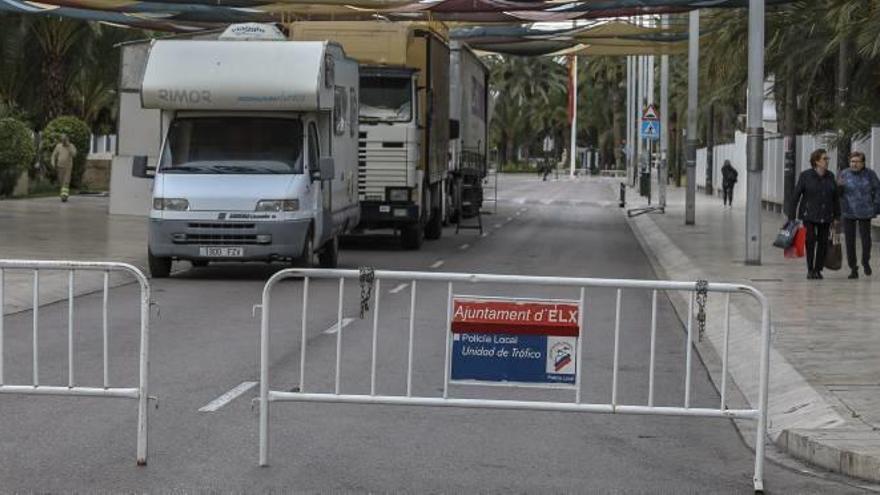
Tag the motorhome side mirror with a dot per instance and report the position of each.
(327, 167)
(454, 131)
(140, 169)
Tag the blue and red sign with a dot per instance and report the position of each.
(524, 341)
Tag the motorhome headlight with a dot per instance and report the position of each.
(397, 194)
(172, 204)
(278, 205)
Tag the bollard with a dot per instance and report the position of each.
(622, 195)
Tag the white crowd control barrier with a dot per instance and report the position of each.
(698, 293)
(138, 393)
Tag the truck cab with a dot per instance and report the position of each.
(404, 127)
(259, 153)
(389, 150)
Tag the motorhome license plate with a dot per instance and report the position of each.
(221, 252)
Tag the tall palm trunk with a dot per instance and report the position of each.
(56, 92)
(58, 39)
(617, 128)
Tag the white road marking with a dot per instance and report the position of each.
(398, 288)
(484, 234)
(498, 225)
(437, 264)
(335, 327)
(464, 246)
(509, 218)
(228, 397)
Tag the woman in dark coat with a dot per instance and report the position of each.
(728, 180)
(860, 195)
(816, 202)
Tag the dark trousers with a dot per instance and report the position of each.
(728, 194)
(849, 230)
(817, 244)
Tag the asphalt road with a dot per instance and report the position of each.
(205, 343)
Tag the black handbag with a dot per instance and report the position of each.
(834, 254)
(785, 237)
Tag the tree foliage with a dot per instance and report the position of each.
(78, 133)
(805, 44)
(16, 153)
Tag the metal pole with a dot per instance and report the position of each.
(652, 148)
(755, 139)
(574, 113)
(663, 173)
(634, 145)
(693, 81)
(629, 116)
(640, 106)
(710, 151)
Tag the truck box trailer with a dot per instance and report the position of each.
(469, 112)
(259, 153)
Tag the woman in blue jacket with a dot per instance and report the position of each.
(816, 202)
(860, 194)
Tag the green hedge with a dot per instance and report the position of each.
(17, 153)
(78, 133)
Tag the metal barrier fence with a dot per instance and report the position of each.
(139, 393)
(696, 290)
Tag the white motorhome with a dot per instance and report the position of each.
(259, 155)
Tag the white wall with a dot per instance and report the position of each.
(772, 185)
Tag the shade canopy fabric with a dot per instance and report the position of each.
(192, 15)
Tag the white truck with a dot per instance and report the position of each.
(259, 153)
(404, 121)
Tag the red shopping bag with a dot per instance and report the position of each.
(798, 248)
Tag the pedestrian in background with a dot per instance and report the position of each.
(728, 180)
(62, 160)
(817, 203)
(859, 199)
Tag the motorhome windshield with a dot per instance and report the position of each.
(233, 145)
(386, 99)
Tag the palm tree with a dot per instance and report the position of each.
(59, 39)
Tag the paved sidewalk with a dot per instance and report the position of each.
(81, 229)
(825, 362)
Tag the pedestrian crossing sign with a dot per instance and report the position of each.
(650, 113)
(650, 130)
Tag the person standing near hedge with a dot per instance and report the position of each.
(817, 203)
(62, 160)
(860, 195)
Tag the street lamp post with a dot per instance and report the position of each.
(693, 81)
(755, 138)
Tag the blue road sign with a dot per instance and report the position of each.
(650, 130)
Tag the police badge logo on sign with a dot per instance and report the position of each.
(561, 355)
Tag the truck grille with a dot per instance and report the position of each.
(220, 233)
(220, 240)
(380, 164)
(221, 226)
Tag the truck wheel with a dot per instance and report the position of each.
(434, 228)
(159, 267)
(411, 236)
(329, 256)
(307, 258)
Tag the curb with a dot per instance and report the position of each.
(800, 421)
(852, 451)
